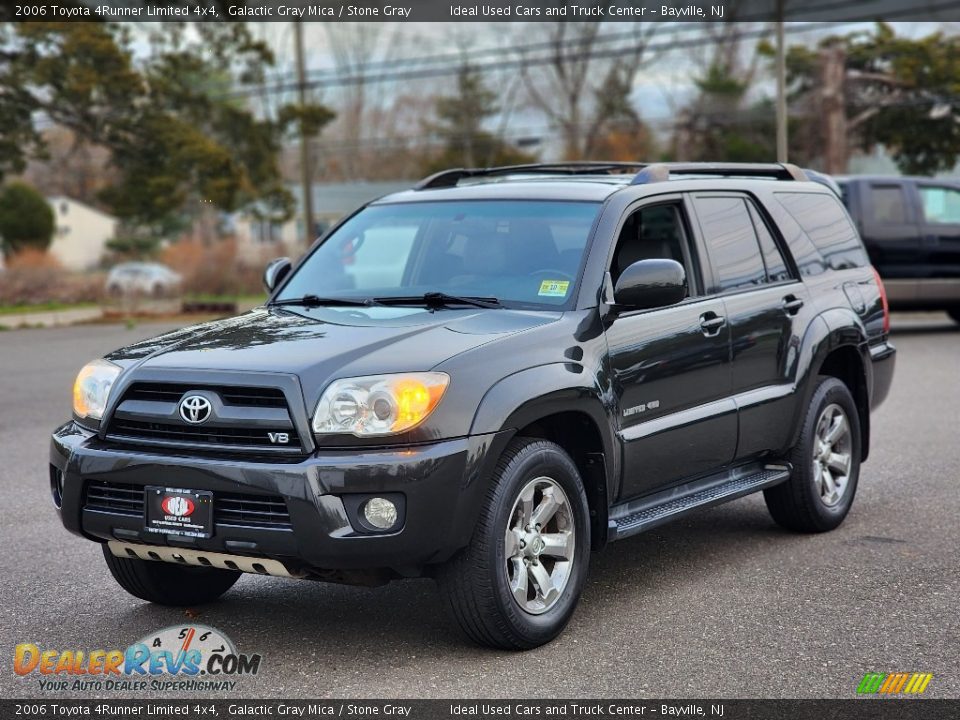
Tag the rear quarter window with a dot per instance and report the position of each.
(828, 226)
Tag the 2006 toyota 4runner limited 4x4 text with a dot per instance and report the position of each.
(484, 379)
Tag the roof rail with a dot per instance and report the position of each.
(661, 172)
(450, 178)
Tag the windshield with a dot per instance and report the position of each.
(524, 253)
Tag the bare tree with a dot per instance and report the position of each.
(577, 81)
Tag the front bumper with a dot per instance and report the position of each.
(441, 485)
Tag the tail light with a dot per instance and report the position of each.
(883, 300)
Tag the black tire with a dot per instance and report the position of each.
(800, 504)
(954, 314)
(167, 584)
(475, 584)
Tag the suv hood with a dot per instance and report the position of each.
(320, 343)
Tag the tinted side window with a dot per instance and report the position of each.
(887, 205)
(941, 205)
(772, 257)
(731, 242)
(650, 233)
(824, 221)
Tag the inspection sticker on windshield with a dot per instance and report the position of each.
(554, 288)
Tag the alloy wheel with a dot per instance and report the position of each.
(540, 541)
(832, 454)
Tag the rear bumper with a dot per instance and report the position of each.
(883, 358)
(440, 486)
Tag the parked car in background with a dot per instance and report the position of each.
(137, 278)
(911, 229)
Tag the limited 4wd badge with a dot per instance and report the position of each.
(174, 511)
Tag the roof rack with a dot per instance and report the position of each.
(661, 172)
(450, 178)
(645, 172)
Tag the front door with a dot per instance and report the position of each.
(671, 366)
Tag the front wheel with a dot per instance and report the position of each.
(168, 584)
(518, 582)
(826, 464)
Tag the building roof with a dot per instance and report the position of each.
(54, 200)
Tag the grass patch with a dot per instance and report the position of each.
(42, 307)
(211, 298)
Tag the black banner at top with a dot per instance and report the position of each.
(475, 709)
(481, 10)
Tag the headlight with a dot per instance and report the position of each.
(379, 404)
(92, 388)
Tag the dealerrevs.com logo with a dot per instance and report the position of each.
(179, 657)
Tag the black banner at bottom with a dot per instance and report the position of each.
(859, 709)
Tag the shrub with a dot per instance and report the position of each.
(26, 219)
(33, 277)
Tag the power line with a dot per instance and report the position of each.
(516, 62)
(675, 28)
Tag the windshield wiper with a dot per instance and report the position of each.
(317, 301)
(439, 299)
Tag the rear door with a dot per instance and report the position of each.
(764, 303)
(670, 366)
(940, 209)
(891, 233)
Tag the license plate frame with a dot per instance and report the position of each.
(178, 511)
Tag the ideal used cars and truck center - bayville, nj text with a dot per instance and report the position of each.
(353, 12)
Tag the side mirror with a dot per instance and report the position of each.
(275, 272)
(651, 284)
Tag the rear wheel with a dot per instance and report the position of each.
(518, 582)
(826, 464)
(167, 584)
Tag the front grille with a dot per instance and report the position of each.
(259, 511)
(172, 392)
(208, 435)
(253, 419)
(115, 498)
(251, 511)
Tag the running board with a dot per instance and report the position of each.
(646, 513)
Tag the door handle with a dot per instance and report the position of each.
(792, 304)
(710, 323)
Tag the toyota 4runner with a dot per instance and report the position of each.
(486, 378)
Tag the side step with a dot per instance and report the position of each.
(639, 515)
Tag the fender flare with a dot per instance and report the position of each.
(538, 392)
(829, 331)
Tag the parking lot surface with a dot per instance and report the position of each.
(722, 604)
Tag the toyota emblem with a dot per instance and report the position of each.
(195, 409)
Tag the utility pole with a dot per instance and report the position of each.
(833, 109)
(306, 174)
(781, 88)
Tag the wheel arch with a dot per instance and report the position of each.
(836, 346)
(555, 402)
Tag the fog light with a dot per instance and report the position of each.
(380, 512)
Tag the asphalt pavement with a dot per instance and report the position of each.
(722, 604)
